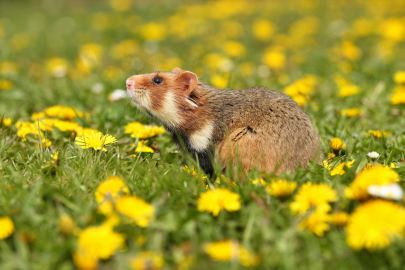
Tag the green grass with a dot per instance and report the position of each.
(35, 194)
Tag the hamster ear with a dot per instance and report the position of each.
(188, 80)
(177, 70)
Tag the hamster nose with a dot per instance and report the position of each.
(130, 83)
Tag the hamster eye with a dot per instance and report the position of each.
(157, 80)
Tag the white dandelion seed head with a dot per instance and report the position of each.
(117, 95)
(97, 88)
(373, 154)
(391, 191)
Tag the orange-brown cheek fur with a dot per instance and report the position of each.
(195, 119)
(157, 92)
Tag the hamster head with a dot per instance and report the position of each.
(165, 95)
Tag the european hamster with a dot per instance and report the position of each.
(257, 126)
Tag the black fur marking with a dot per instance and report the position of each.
(251, 130)
(204, 157)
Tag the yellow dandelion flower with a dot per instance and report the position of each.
(126, 48)
(147, 260)
(375, 224)
(141, 212)
(80, 131)
(352, 112)
(6, 122)
(57, 67)
(214, 60)
(281, 188)
(234, 48)
(392, 165)
(392, 29)
(6, 85)
(378, 134)
(153, 31)
(331, 156)
(317, 222)
(292, 90)
(399, 95)
(44, 124)
(340, 218)
(91, 53)
(338, 170)
(137, 130)
(219, 81)
(84, 261)
(303, 86)
(326, 164)
(63, 112)
(65, 125)
(350, 51)
(300, 100)
(66, 224)
(399, 77)
(227, 250)
(8, 68)
(336, 144)
(100, 241)
(348, 90)
(275, 59)
(259, 180)
(313, 195)
(95, 140)
(112, 220)
(377, 175)
(213, 201)
(6, 227)
(141, 147)
(263, 30)
(25, 128)
(38, 116)
(108, 191)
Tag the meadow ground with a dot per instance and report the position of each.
(125, 202)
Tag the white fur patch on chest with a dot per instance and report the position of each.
(169, 113)
(201, 139)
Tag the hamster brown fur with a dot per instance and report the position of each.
(257, 126)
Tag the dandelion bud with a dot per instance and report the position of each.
(340, 218)
(66, 224)
(331, 156)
